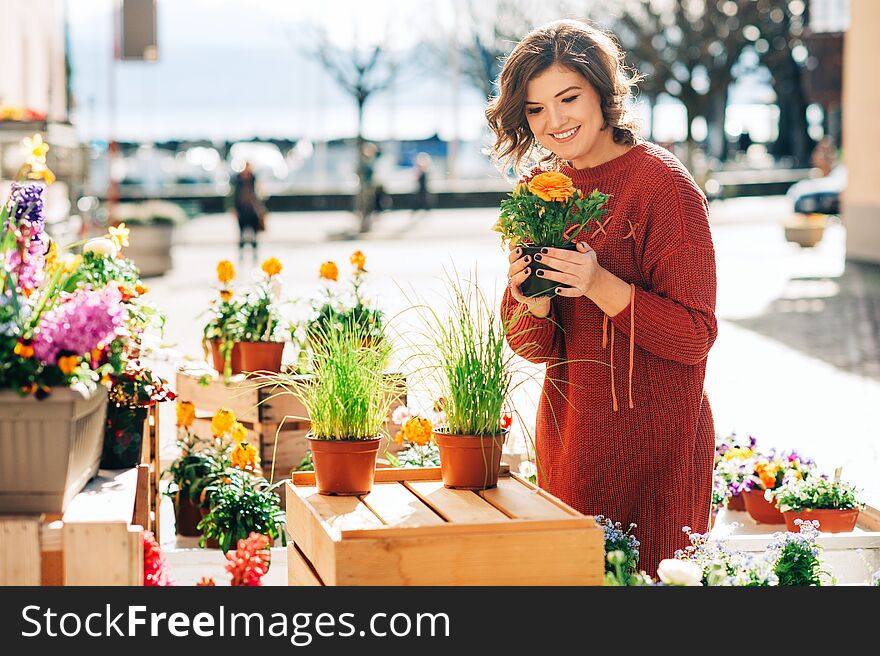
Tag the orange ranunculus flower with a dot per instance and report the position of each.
(329, 271)
(272, 266)
(358, 260)
(552, 186)
(225, 295)
(186, 414)
(225, 271)
(222, 422)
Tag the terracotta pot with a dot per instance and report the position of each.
(736, 502)
(470, 462)
(761, 510)
(261, 356)
(344, 467)
(187, 516)
(217, 357)
(535, 286)
(830, 520)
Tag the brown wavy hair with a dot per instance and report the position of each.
(577, 45)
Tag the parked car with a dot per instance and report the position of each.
(819, 195)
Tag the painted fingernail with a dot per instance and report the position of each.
(544, 251)
(526, 259)
(537, 258)
(540, 273)
(527, 271)
(519, 251)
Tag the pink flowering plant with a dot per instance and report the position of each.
(64, 318)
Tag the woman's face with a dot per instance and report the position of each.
(565, 115)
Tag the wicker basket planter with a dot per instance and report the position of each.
(51, 448)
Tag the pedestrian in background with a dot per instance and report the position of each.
(248, 209)
(424, 200)
(623, 432)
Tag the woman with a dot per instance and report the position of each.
(247, 209)
(624, 428)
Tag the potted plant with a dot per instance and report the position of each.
(242, 503)
(131, 394)
(60, 334)
(547, 210)
(469, 361)
(797, 556)
(260, 348)
(347, 400)
(151, 224)
(770, 472)
(734, 464)
(222, 332)
(832, 503)
(199, 463)
(621, 568)
(337, 308)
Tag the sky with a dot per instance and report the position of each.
(231, 69)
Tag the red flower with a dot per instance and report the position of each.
(155, 567)
(506, 420)
(249, 563)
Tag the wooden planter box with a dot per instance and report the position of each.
(410, 530)
(262, 411)
(51, 448)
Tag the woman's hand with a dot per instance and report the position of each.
(577, 269)
(516, 274)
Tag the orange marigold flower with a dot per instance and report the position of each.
(68, 363)
(552, 186)
(225, 271)
(222, 422)
(329, 271)
(358, 260)
(272, 266)
(186, 414)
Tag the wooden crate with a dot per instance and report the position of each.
(97, 541)
(262, 410)
(410, 530)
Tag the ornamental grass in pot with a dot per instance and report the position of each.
(347, 398)
(547, 211)
(832, 502)
(467, 358)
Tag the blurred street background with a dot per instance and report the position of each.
(151, 107)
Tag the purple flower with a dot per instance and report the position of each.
(80, 322)
(27, 260)
(27, 201)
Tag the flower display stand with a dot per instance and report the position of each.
(262, 413)
(851, 557)
(96, 541)
(411, 530)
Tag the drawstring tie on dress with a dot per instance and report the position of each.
(632, 332)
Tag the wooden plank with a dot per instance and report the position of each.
(240, 396)
(397, 506)
(518, 501)
(314, 537)
(869, 519)
(560, 557)
(507, 526)
(455, 506)
(299, 571)
(340, 513)
(52, 565)
(20, 549)
(108, 498)
(102, 554)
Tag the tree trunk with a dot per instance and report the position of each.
(362, 205)
(716, 117)
(794, 140)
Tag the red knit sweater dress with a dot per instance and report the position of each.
(633, 441)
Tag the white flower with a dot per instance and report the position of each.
(275, 289)
(527, 468)
(400, 415)
(100, 246)
(679, 572)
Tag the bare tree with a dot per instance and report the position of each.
(361, 72)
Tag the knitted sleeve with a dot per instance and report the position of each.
(675, 316)
(530, 337)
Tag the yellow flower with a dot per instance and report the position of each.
(358, 260)
(418, 430)
(35, 149)
(186, 414)
(68, 363)
(71, 264)
(552, 186)
(225, 271)
(272, 266)
(329, 271)
(39, 171)
(244, 456)
(119, 235)
(239, 432)
(222, 422)
(225, 295)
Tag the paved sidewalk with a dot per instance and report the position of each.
(796, 363)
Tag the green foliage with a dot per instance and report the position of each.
(799, 560)
(416, 455)
(306, 463)
(200, 464)
(257, 317)
(816, 492)
(527, 218)
(99, 271)
(242, 503)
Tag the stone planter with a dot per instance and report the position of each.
(150, 247)
(806, 230)
(51, 448)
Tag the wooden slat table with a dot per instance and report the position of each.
(411, 530)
